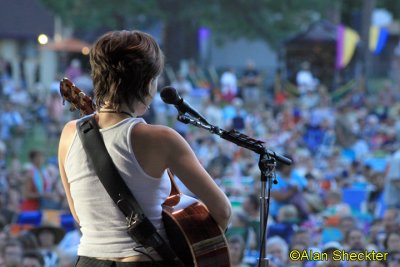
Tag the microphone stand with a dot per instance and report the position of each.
(266, 164)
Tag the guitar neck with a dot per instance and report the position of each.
(78, 99)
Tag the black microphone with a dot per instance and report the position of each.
(170, 96)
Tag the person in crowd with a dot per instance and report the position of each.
(74, 70)
(70, 242)
(329, 249)
(20, 98)
(392, 241)
(55, 111)
(313, 193)
(393, 259)
(354, 239)
(391, 219)
(125, 69)
(305, 80)
(278, 248)
(4, 237)
(237, 247)
(182, 85)
(212, 110)
(37, 189)
(229, 84)
(251, 84)
(249, 219)
(335, 206)
(32, 258)
(302, 235)
(12, 253)
(376, 233)
(392, 181)
(380, 263)
(298, 246)
(66, 259)
(28, 240)
(346, 223)
(49, 236)
(12, 128)
(289, 190)
(286, 223)
(356, 263)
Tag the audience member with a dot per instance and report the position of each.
(289, 190)
(305, 79)
(182, 85)
(336, 143)
(392, 241)
(354, 240)
(34, 188)
(393, 259)
(237, 247)
(229, 85)
(49, 236)
(74, 70)
(250, 85)
(32, 258)
(278, 248)
(12, 253)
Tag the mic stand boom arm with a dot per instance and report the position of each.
(236, 137)
(267, 164)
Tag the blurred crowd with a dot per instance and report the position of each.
(342, 190)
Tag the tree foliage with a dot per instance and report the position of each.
(272, 21)
(269, 20)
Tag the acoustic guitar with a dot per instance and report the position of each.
(192, 233)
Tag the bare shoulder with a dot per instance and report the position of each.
(66, 136)
(153, 134)
(69, 127)
(152, 146)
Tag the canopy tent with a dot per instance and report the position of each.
(68, 45)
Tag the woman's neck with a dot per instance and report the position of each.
(123, 109)
(109, 117)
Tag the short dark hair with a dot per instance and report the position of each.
(123, 65)
(34, 153)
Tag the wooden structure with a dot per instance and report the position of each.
(316, 45)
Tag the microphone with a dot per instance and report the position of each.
(170, 96)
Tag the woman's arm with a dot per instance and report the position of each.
(181, 160)
(65, 142)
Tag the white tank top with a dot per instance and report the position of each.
(103, 225)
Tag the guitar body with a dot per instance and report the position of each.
(193, 234)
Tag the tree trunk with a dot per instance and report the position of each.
(179, 42)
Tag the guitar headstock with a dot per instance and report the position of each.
(78, 99)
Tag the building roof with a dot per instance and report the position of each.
(319, 31)
(25, 19)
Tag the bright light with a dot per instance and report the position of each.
(43, 39)
(85, 50)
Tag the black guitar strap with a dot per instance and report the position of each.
(140, 229)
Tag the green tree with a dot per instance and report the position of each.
(268, 20)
